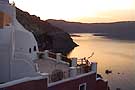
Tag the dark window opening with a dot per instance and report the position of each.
(29, 50)
(82, 86)
(34, 49)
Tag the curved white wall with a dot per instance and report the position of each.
(24, 41)
(23, 64)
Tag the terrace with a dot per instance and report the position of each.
(58, 67)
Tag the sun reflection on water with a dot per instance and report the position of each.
(115, 55)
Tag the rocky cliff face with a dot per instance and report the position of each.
(48, 36)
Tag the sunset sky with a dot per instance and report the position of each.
(80, 10)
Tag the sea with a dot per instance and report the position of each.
(117, 56)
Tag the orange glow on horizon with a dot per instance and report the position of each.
(80, 10)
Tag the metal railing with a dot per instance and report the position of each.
(58, 75)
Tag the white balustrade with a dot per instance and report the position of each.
(58, 56)
(94, 66)
(74, 62)
(73, 71)
(46, 54)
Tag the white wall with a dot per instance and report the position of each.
(15, 59)
(4, 55)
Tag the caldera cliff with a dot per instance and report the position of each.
(48, 36)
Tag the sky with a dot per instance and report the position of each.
(80, 10)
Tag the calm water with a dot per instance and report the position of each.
(115, 55)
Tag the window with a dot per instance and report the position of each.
(29, 50)
(34, 49)
(82, 86)
(5, 19)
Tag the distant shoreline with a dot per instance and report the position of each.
(108, 36)
(75, 35)
(124, 30)
(115, 37)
